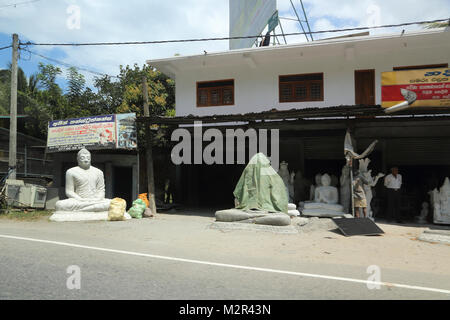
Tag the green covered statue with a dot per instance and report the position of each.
(260, 195)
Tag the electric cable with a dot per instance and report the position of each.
(7, 47)
(228, 38)
(68, 65)
(18, 4)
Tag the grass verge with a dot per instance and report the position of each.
(25, 215)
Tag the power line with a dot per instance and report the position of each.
(68, 65)
(18, 4)
(228, 38)
(7, 47)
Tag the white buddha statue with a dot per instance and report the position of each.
(85, 190)
(326, 193)
(441, 203)
(312, 190)
(422, 218)
(288, 179)
(326, 198)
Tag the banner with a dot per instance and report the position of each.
(429, 87)
(93, 133)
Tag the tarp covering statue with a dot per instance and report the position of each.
(260, 187)
(260, 196)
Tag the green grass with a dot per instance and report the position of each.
(23, 215)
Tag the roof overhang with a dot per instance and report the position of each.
(328, 113)
(348, 47)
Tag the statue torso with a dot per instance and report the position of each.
(86, 182)
(326, 194)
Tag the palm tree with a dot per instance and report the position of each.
(33, 83)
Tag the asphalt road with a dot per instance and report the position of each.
(38, 270)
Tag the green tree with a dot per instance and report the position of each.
(435, 25)
(76, 87)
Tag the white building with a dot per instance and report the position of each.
(251, 80)
(343, 73)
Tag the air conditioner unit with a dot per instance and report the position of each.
(38, 196)
(23, 195)
(17, 194)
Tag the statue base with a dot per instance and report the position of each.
(74, 216)
(445, 220)
(322, 210)
(255, 217)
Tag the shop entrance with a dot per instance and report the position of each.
(417, 182)
(123, 184)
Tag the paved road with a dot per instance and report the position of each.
(38, 270)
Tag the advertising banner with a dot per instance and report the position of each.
(421, 88)
(94, 133)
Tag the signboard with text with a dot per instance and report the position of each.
(429, 87)
(94, 133)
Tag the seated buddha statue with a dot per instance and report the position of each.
(326, 198)
(441, 203)
(85, 190)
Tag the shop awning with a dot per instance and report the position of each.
(342, 112)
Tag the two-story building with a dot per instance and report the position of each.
(316, 91)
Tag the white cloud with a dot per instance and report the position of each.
(134, 20)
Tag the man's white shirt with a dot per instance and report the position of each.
(392, 182)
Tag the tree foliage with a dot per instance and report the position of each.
(42, 99)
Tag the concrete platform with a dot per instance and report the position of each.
(69, 216)
(440, 236)
(230, 226)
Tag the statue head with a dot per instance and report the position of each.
(446, 187)
(326, 180)
(318, 179)
(84, 159)
(284, 166)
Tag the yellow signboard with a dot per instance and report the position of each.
(422, 88)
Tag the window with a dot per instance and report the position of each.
(301, 87)
(215, 93)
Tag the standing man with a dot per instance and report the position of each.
(393, 183)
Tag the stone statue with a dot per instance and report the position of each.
(371, 183)
(326, 198)
(345, 189)
(441, 203)
(260, 196)
(288, 179)
(318, 181)
(424, 213)
(85, 190)
(326, 193)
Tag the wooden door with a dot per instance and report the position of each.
(365, 87)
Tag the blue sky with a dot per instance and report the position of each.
(146, 20)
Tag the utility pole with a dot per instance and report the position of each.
(149, 151)
(13, 109)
